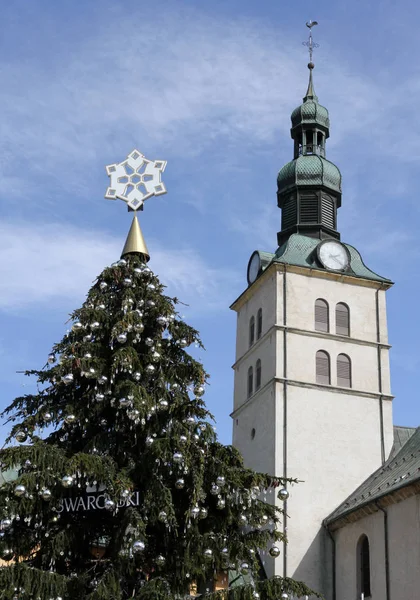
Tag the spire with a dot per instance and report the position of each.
(310, 94)
(135, 243)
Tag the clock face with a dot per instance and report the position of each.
(333, 255)
(254, 266)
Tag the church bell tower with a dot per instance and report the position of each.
(312, 397)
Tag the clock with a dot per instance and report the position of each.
(254, 267)
(333, 255)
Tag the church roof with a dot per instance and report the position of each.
(299, 250)
(309, 170)
(402, 469)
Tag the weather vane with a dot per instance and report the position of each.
(135, 179)
(310, 43)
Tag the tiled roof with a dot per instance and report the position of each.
(400, 470)
(299, 250)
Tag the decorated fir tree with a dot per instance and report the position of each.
(122, 490)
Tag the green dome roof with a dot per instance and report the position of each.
(309, 170)
(312, 113)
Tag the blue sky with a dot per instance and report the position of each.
(209, 87)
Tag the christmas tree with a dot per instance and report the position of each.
(122, 489)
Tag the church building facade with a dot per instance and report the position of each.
(312, 395)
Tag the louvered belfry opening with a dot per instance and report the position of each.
(258, 375)
(321, 315)
(251, 330)
(311, 212)
(342, 319)
(343, 371)
(323, 371)
(250, 381)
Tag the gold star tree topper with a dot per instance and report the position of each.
(134, 180)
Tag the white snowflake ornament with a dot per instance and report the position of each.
(135, 179)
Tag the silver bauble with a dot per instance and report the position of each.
(284, 596)
(138, 546)
(67, 481)
(163, 404)
(215, 489)
(87, 338)
(160, 560)
(47, 417)
(203, 512)
(109, 504)
(67, 378)
(183, 343)
(155, 356)
(102, 306)
(162, 320)
(137, 376)
(21, 437)
(150, 369)
(195, 511)
(189, 421)
(124, 402)
(274, 551)
(122, 262)
(19, 490)
(7, 554)
(221, 503)
(138, 271)
(180, 484)
(149, 441)
(122, 337)
(51, 359)
(139, 327)
(183, 439)
(103, 285)
(243, 519)
(255, 595)
(163, 517)
(199, 390)
(175, 386)
(151, 303)
(133, 414)
(77, 326)
(220, 480)
(5, 524)
(148, 341)
(177, 457)
(87, 355)
(127, 282)
(70, 419)
(151, 286)
(46, 494)
(264, 520)
(99, 397)
(283, 494)
(95, 325)
(102, 379)
(244, 568)
(208, 554)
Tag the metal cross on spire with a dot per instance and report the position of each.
(310, 43)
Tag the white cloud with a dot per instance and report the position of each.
(55, 264)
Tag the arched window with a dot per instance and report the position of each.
(251, 330)
(250, 381)
(363, 567)
(323, 367)
(259, 323)
(321, 315)
(342, 319)
(258, 375)
(343, 370)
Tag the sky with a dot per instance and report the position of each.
(209, 87)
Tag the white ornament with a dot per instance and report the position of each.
(135, 179)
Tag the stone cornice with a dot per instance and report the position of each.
(310, 333)
(307, 272)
